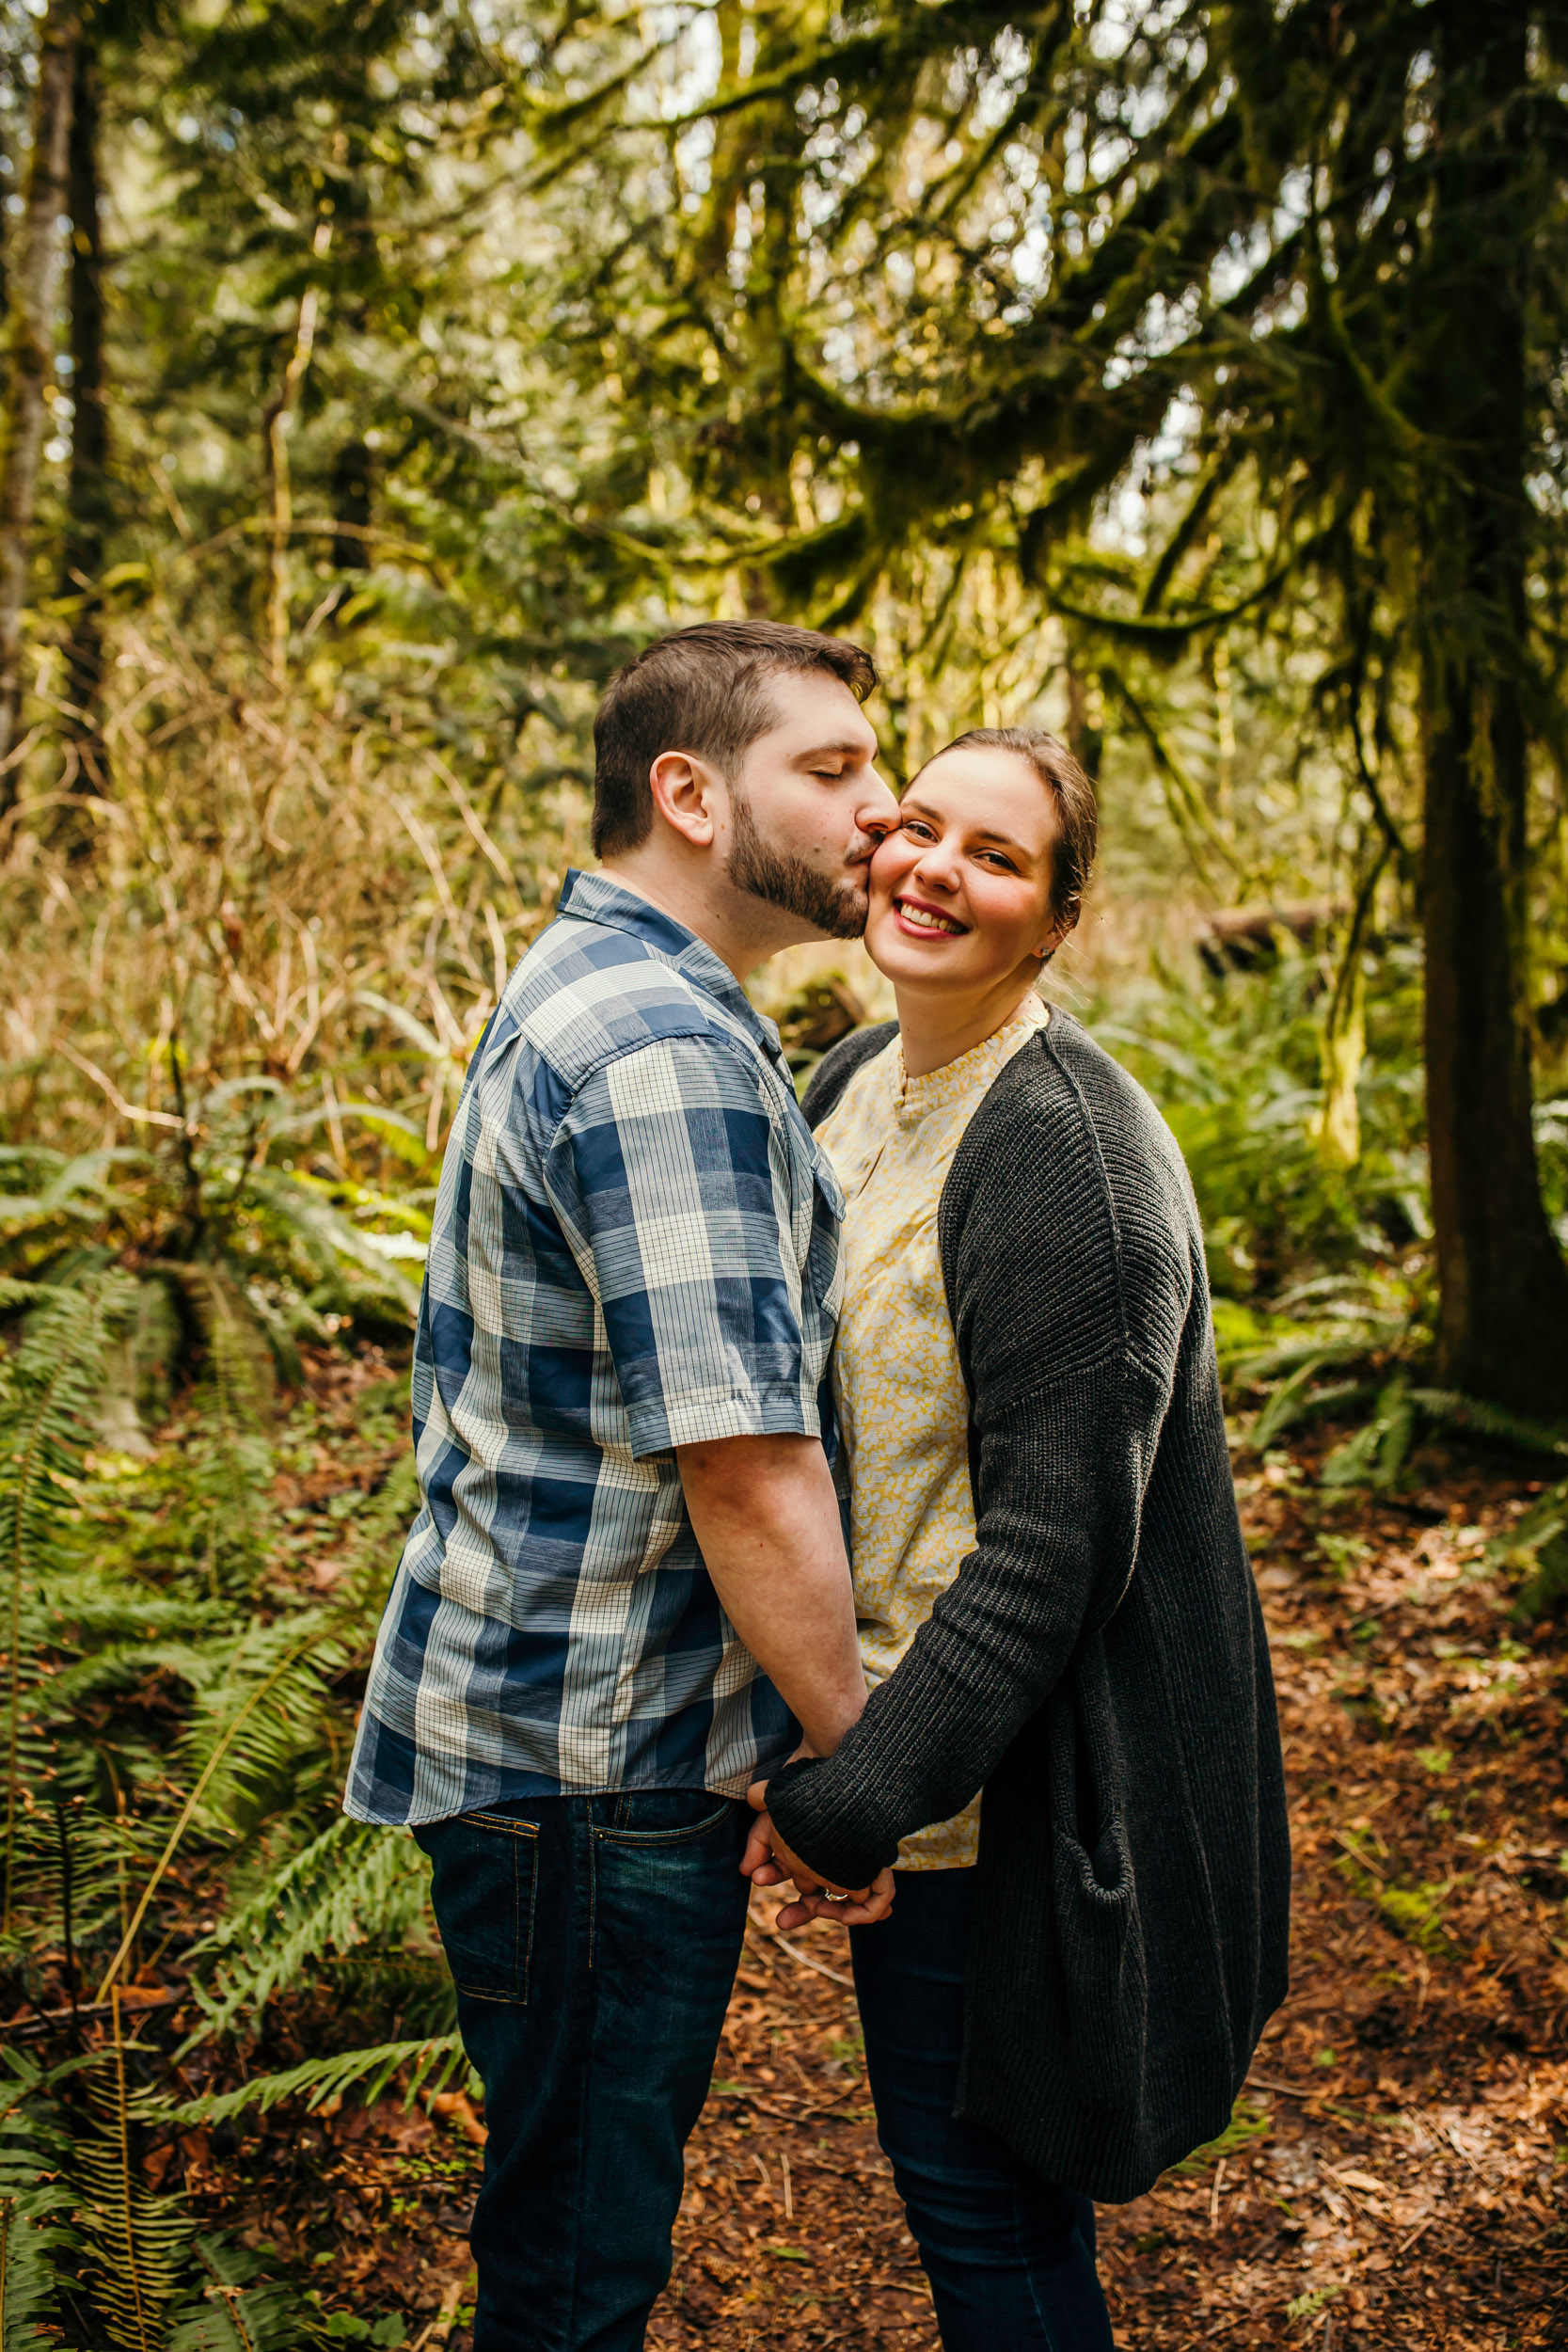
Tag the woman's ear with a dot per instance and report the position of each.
(684, 791)
(1062, 928)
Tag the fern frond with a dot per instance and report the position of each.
(1379, 1450)
(1288, 1357)
(1377, 1454)
(350, 1886)
(432, 2063)
(37, 2246)
(259, 1704)
(241, 2311)
(47, 1392)
(412, 1991)
(1538, 1542)
(328, 1234)
(136, 2242)
(1453, 1410)
(241, 1359)
(1295, 1400)
(257, 1710)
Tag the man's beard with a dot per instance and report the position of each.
(834, 904)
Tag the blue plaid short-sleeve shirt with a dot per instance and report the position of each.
(635, 1248)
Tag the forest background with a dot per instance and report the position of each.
(374, 380)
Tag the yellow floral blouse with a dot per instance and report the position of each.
(901, 1400)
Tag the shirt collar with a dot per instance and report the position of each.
(598, 899)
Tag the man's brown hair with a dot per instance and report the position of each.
(1072, 852)
(703, 690)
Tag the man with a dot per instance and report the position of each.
(627, 1585)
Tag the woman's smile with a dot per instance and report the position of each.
(919, 916)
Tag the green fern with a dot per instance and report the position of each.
(432, 2061)
(303, 1209)
(38, 2245)
(1377, 1454)
(47, 1396)
(259, 1700)
(1448, 1408)
(1538, 1543)
(137, 2241)
(69, 1194)
(231, 1461)
(241, 2311)
(349, 1886)
(1296, 1400)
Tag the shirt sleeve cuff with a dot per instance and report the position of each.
(698, 1420)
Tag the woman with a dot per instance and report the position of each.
(1070, 1753)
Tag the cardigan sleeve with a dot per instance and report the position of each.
(1033, 1250)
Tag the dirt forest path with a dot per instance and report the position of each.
(1398, 2174)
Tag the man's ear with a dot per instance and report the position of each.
(685, 792)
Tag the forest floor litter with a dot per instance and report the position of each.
(1396, 2174)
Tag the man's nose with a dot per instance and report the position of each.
(879, 811)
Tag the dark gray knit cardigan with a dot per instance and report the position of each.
(1099, 1663)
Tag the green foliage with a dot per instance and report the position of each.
(344, 1884)
(1538, 1544)
(48, 1391)
(1251, 2124)
(1233, 1064)
(1414, 1912)
(241, 2310)
(135, 2242)
(40, 2245)
(181, 1735)
(431, 2062)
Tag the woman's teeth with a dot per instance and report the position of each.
(926, 919)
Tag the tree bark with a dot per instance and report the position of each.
(88, 497)
(1503, 1320)
(30, 350)
(352, 477)
(279, 424)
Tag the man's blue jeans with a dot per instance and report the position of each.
(1009, 2258)
(594, 1942)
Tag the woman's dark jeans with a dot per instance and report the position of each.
(1009, 2258)
(594, 1942)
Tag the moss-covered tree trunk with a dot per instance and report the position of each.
(34, 291)
(1503, 1324)
(89, 495)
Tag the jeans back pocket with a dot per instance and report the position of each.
(484, 1871)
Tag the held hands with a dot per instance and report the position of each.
(768, 1862)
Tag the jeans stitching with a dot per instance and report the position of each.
(652, 1837)
(516, 1927)
(527, 1830)
(532, 1915)
(593, 1896)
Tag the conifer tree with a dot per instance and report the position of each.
(977, 260)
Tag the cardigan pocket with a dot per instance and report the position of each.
(1105, 1978)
